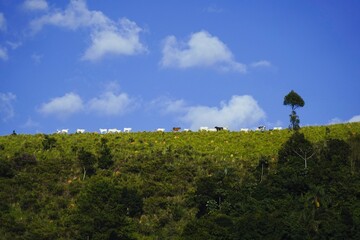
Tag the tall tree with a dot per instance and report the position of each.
(294, 100)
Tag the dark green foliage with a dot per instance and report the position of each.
(223, 185)
(6, 170)
(296, 148)
(101, 212)
(87, 162)
(105, 160)
(132, 201)
(48, 142)
(354, 143)
(22, 160)
(294, 100)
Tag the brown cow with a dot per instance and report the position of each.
(176, 129)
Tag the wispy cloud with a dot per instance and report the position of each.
(6, 106)
(35, 5)
(239, 111)
(30, 123)
(2, 22)
(3, 54)
(14, 45)
(107, 36)
(261, 64)
(168, 106)
(36, 58)
(201, 50)
(63, 107)
(213, 9)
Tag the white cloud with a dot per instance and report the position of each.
(123, 40)
(63, 107)
(3, 54)
(2, 22)
(34, 5)
(202, 50)
(262, 63)
(76, 15)
(107, 36)
(238, 112)
(355, 119)
(110, 104)
(6, 107)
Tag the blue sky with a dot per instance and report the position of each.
(159, 64)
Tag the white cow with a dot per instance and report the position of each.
(211, 129)
(277, 128)
(80, 130)
(114, 130)
(127, 130)
(244, 130)
(63, 131)
(203, 129)
(186, 130)
(103, 130)
(160, 130)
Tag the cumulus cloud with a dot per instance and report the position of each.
(6, 107)
(2, 22)
(201, 50)
(63, 107)
(123, 40)
(35, 5)
(111, 104)
(238, 112)
(3, 54)
(75, 16)
(107, 36)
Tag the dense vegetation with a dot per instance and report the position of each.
(185, 185)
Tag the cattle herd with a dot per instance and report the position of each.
(174, 129)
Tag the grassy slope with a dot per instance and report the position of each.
(233, 146)
(162, 166)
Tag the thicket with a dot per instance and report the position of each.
(185, 185)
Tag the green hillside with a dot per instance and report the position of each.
(183, 185)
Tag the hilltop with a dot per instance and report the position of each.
(182, 185)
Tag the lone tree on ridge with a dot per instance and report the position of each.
(294, 100)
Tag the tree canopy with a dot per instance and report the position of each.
(294, 100)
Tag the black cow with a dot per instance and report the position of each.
(219, 128)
